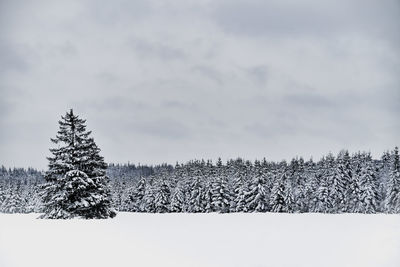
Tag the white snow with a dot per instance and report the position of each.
(190, 240)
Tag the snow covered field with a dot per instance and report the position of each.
(188, 240)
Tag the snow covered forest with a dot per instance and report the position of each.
(344, 183)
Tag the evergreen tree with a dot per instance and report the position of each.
(208, 194)
(239, 187)
(324, 203)
(277, 199)
(77, 185)
(289, 197)
(343, 179)
(337, 181)
(149, 199)
(13, 202)
(392, 203)
(311, 186)
(220, 195)
(196, 201)
(137, 196)
(354, 190)
(162, 198)
(368, 188)
(257, 199)
(177, 198)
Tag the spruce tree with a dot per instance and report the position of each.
(342, 181)
(392, 203)
(137, 195)
(368, 188)
(149, 198)
(196, 201)
(162, 197)
(77, 185)
(289, 196)
(324, 202)
(256, 199)
(177, 198)
(239, 187)
(337, 182)
(13, 203)
(277, 198)
(220, 195)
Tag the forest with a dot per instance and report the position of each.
(345, 183)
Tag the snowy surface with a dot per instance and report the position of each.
(188, 240)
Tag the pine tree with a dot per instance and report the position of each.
(196, 201)
(296, 189)
(289, 197)
(324, 202)
(162, 198)
(208, 194)
(149, 198)
(77, 185)
(311, 186)
(177, 198)
(277, 199)
(342, 181)
(13, 203)
(3, 196)
(137, 195)
(368, 188)
(257, 199)
(337, 184)
(220, 195)
(384, 174)
(392, 203)
(240, 187)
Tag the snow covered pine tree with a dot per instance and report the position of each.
(77, 185)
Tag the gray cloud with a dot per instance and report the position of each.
(178, 80)
(145, 49)
(176, 104)
(12, 58)
(260, 74)
(123, 12)
(164, 128)
(308, 100)
(320, 19)
(209, 73)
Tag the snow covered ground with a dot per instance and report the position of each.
(188, 240)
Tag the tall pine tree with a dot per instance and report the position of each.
(77, 185)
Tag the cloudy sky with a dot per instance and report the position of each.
(166, 81)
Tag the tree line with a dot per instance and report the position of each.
(335, 184)
(342, 184)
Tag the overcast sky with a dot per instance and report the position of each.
(166, 81)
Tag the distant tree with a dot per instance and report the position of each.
(196, 200)
(13, 202)
(368, 202)
(324, 203)
(149, 198)
(256, 198)
(137, 195)
(277, 198)
(342, 181)
(392, 202)
(77, 185)
(162, 197)
(220, 195)
(337, 181)
(177, 198)
(240, 186)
